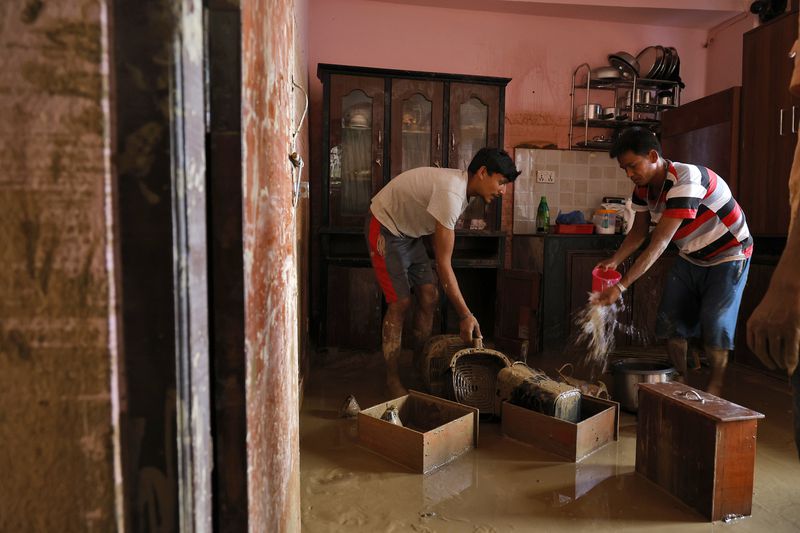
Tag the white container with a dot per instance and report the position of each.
(605, 221)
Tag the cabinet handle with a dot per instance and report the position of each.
(438, 141)
(452, 142)
(378, 162)
(794, 127)
(380, 139)
(780, 123)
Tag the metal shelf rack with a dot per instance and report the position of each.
(617, 85)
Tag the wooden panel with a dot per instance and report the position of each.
(766, 148)
(402, 90)
(706, 132)
(518, 306)
(354, 308)
(701, 452)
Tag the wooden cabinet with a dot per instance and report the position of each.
(377, 123)
(770, 116)
(706, 132)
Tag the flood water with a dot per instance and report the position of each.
(504, 485)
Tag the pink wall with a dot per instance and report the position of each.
(724, 64)
(539, 53)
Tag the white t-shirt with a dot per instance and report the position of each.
(412, 202)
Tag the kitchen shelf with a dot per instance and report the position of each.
(619, 87)
(613, 123)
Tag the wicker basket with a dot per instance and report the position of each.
(474, 377)
(435, 363)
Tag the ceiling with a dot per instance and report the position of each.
(701, 14)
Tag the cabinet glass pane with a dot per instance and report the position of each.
(473, 135)
(351, 161)
(416, 132)
(474, 128)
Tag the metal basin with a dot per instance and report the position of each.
(628, 373)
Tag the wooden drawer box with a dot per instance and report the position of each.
(434, 431)
(598, 426)
(703, 452)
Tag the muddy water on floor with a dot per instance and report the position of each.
(504, 485)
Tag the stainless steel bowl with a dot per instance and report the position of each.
(629, 373)
(588, 112)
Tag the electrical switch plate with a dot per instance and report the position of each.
(545, 176)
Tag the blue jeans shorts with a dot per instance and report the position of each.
(702, 302)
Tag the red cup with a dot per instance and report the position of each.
(603, 279)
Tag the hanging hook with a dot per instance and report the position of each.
(294, 157)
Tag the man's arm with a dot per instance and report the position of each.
(443, 242)
(659, 240)
(773, 330)
(633, 240)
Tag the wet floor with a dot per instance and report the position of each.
(504, 485)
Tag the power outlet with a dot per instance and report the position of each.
(545, 176)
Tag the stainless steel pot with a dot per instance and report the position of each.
(629, 373)
(643, 96)
(588, 112)
(664, 98)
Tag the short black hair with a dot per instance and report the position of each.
(495, 160)
(635, 139)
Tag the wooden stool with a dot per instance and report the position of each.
(697, 446)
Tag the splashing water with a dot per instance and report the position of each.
(596, 324)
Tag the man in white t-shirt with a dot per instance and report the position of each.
(419, 202)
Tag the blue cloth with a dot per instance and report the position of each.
(573, 217)
(702, 302)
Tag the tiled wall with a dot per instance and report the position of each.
(582, 180)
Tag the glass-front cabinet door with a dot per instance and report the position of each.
(355, 158)
(474, 124)
(417, 117)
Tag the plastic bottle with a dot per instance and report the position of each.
(543, 216)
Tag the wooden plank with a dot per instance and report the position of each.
(713, 407)
(735, 466)
(596, 431)
(545, 432)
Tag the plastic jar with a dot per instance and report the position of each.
(605, 221)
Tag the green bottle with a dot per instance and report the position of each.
(543, 216)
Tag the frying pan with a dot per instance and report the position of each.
(625, 62)
(672, 74)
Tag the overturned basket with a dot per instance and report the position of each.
(474, 376)
(435, 364)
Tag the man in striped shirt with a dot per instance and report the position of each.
(692, 207)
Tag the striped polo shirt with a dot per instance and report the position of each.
(714, 229)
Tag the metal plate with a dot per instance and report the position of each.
(650, 61)
(672, 73)
(625, 62)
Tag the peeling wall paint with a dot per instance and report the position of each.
(55, 410)
(271, 285)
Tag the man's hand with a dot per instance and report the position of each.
(469, 329)
(607, 264)
(773, 330)
(607, 297)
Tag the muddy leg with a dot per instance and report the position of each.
(676, 349)
(392, 335)
(427, 295)
(719, 360)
